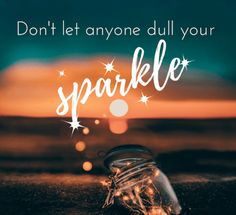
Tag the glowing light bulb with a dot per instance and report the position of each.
(140, 186)
(137, 189)
(150, 191)
(117, 193)
(125, 198)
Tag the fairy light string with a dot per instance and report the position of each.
(136, 189)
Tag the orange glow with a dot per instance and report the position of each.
(137, 189)
(155, 210)
(80, 146)
(150, 191)
(87, 166)
(30, 89)
(117, 170)
(125, 198)
(118, 126)
(86, 131)
(118, 193)
(97, 122)
(104, 183)
(157, 173)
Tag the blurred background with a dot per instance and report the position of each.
(190, 126)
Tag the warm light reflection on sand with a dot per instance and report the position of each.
(118, 126)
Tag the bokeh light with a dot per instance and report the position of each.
(86, 131)
(80, 146)
(119, 108)
(97, 121)
(87, 166)
(118, 126)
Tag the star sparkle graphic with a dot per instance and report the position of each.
(109, 67)
(185, 62)
(144, 99)
(74, 124)
(61, 73)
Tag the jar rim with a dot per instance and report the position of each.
(126, 152)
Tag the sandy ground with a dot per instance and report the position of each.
(41, 172)
(83, 194)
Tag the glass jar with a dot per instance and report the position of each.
(137, 183)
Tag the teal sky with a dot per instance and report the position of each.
(214, 54)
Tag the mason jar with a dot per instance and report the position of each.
(137, 183)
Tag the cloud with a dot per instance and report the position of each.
(30, 89)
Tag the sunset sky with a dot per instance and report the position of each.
(29, 65)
